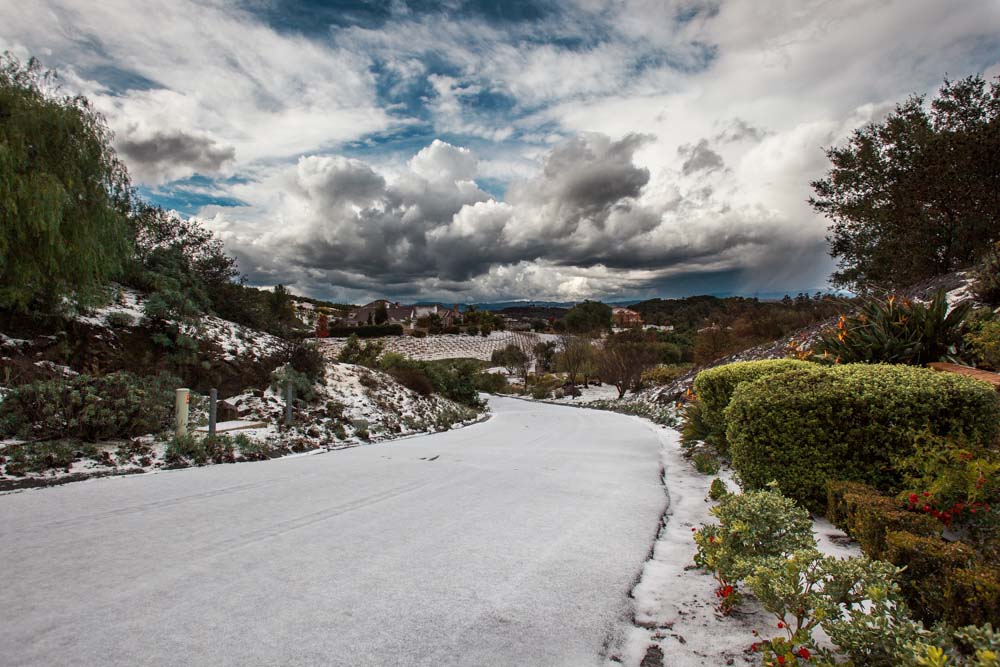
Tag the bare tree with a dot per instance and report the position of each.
(622, 363)
(576, 356)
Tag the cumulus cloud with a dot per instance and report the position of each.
(172, 154)
(699, 157)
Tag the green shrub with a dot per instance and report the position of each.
(354, 352)
(718, 490)
(307, 359)
(119, 405)
(541, 392)
(896, 331)
(869, 517)
(302, 386)
(986, 280)
(973, 595)
(855, 422)
(413, 380)
(836, 508)
(694, 428)
(491, 383)
(252, 450)
(946, 646)
(193, 450)
(706, 462)
(928, 563)
(983, 343)
(663, 375)
(120, 320)
(715, 386)
(752, 525)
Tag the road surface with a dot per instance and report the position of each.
(513, 542)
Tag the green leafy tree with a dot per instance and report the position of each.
(64, 194)
(917, 194)
(381, 314)
(588, 317)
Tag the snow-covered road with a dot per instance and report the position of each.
(513, 542)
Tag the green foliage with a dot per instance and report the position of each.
(588, 317)
(957, 482)
(973, 594)
(946, 646)
(541, 392)
(854, 422)
(119, 405)
(869, 516)
(836, 505)
(896, 331)
(622, 362)
(694, 429)
(664, 374)
(491, 383)
(929, 565)
(120, 320)
(303, 387)
(39, 457)
(914, 196)
(413, 379)
(714, 388)
(752, 526)
(63, 193)
(511, 357)
(188, 450)
(983, 343)
(455, 379)
(986, 279)
(354, 352)
(545, 354)
(718, 490)
(706, 462)
(307, 359)
(251, 450)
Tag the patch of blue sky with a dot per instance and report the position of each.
(189, 196)
(118, 81)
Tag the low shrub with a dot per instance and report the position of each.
(718, 490)
(491, 383)
(946, 646)
(694, 429)
(706, 462)
(302, 386)
(119, 405)
(120, 320)
(983, 344)
(973, 595)
(836, 508)
(413, 380)
(752, 525)
(188, 450)
(928, 565)
(854, 422)
(715, 386)
(251, 450)
(663, 375)
(986, 280)
(361, 354)
(541, 392)
(869, 517)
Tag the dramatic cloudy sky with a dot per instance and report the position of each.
(491, 150)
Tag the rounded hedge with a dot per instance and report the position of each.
(853, 422)
(715, 386)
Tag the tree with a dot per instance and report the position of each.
(622, 363)
(544, 352)
(918, 194)
(588, 317)
(513, 359)
(322, 326)
(575, 357)
(64, 194)
(381, 314)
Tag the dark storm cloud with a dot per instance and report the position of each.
(163, 153)
(699, 157)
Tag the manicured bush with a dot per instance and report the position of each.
(973, 595)
(715, 386)
(928, 563)
(869, 517)
(856, 422)
(119, 405)
(836, 508)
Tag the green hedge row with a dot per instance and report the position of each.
(940, 580)
(855, 422)
(715, 386)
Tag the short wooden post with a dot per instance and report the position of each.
(213, 400)
(289, 396)
(183, 397)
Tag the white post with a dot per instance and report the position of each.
(183, 396)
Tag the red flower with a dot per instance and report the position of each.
(926, 494)
(755, 647)
(780, 625)
(804, 653)
(914, 498)
(781, 659)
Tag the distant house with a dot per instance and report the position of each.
(624, 318)
(405, 316)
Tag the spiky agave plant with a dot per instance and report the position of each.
(896, 331)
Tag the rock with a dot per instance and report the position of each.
(226, 412)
